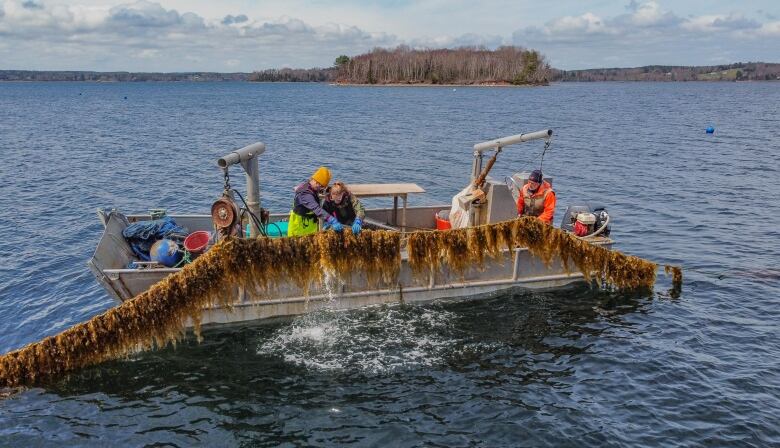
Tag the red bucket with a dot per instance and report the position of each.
(443, 220)
(196, 242)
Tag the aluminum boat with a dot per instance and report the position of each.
(117, 269)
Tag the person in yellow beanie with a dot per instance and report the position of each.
(307, 207)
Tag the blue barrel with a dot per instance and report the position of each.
(276, 229)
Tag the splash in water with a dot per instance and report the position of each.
(376, 340)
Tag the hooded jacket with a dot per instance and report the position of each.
(307, 202)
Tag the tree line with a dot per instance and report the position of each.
(741, 71)
(294, 75)
(402, 65)
(64, 75)
(465, 65)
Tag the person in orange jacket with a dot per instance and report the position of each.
(537, 198)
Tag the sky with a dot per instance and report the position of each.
(247, 35)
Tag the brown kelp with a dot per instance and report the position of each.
(677, 279)
(263, 265)
(460, 248)
(159, 315)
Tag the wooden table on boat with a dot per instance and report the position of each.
(386, 191)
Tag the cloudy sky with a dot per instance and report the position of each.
(245, 35)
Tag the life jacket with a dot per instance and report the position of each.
(302, 221)
(343, 211)
(533, 204)
(298, 207)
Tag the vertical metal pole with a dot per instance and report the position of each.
(251, 166)
(476, 166)
(248, 158)
(476, 170)
(395, 210)
(403, 214)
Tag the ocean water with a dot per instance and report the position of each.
(580, 367)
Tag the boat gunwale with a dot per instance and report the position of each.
(404, 257)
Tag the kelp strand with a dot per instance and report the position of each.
(460, 248)
(677, 279)
(260, 266)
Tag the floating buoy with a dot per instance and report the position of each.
(165, 252)
(710, 130)
(125, 97)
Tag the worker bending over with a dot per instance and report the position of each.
(537, 198)
(345, 207)
(306, 206)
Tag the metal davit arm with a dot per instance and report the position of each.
(478, 175)
(247, 157)
(511, 140)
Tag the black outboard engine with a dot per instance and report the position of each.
(586, 220)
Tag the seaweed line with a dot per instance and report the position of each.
(160, 315)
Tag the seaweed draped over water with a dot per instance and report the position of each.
(159, 315)
(261, 266)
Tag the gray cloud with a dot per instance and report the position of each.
(30, 4)
(146, 36)
(768, 15)
(147, 14)
(647, 34)
(736, 23)
(229, 19)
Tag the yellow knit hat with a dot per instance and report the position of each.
(322, 176)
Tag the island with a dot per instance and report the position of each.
(506, 65)
(406, 66)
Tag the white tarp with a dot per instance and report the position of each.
(459, 216)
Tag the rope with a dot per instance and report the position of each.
(544, 151)
(185, 259)
(547, 144)
(718, 275)
(254, 217)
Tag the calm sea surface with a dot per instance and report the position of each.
(576, 368)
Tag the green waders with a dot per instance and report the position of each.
(302, 225)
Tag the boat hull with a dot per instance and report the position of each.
(515, 268)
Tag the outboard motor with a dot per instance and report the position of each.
(584, 220)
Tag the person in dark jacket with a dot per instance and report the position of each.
(306, 206)
(345, 207)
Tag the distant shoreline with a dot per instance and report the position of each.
(738, 72)
(423, 84)
(338, 84)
